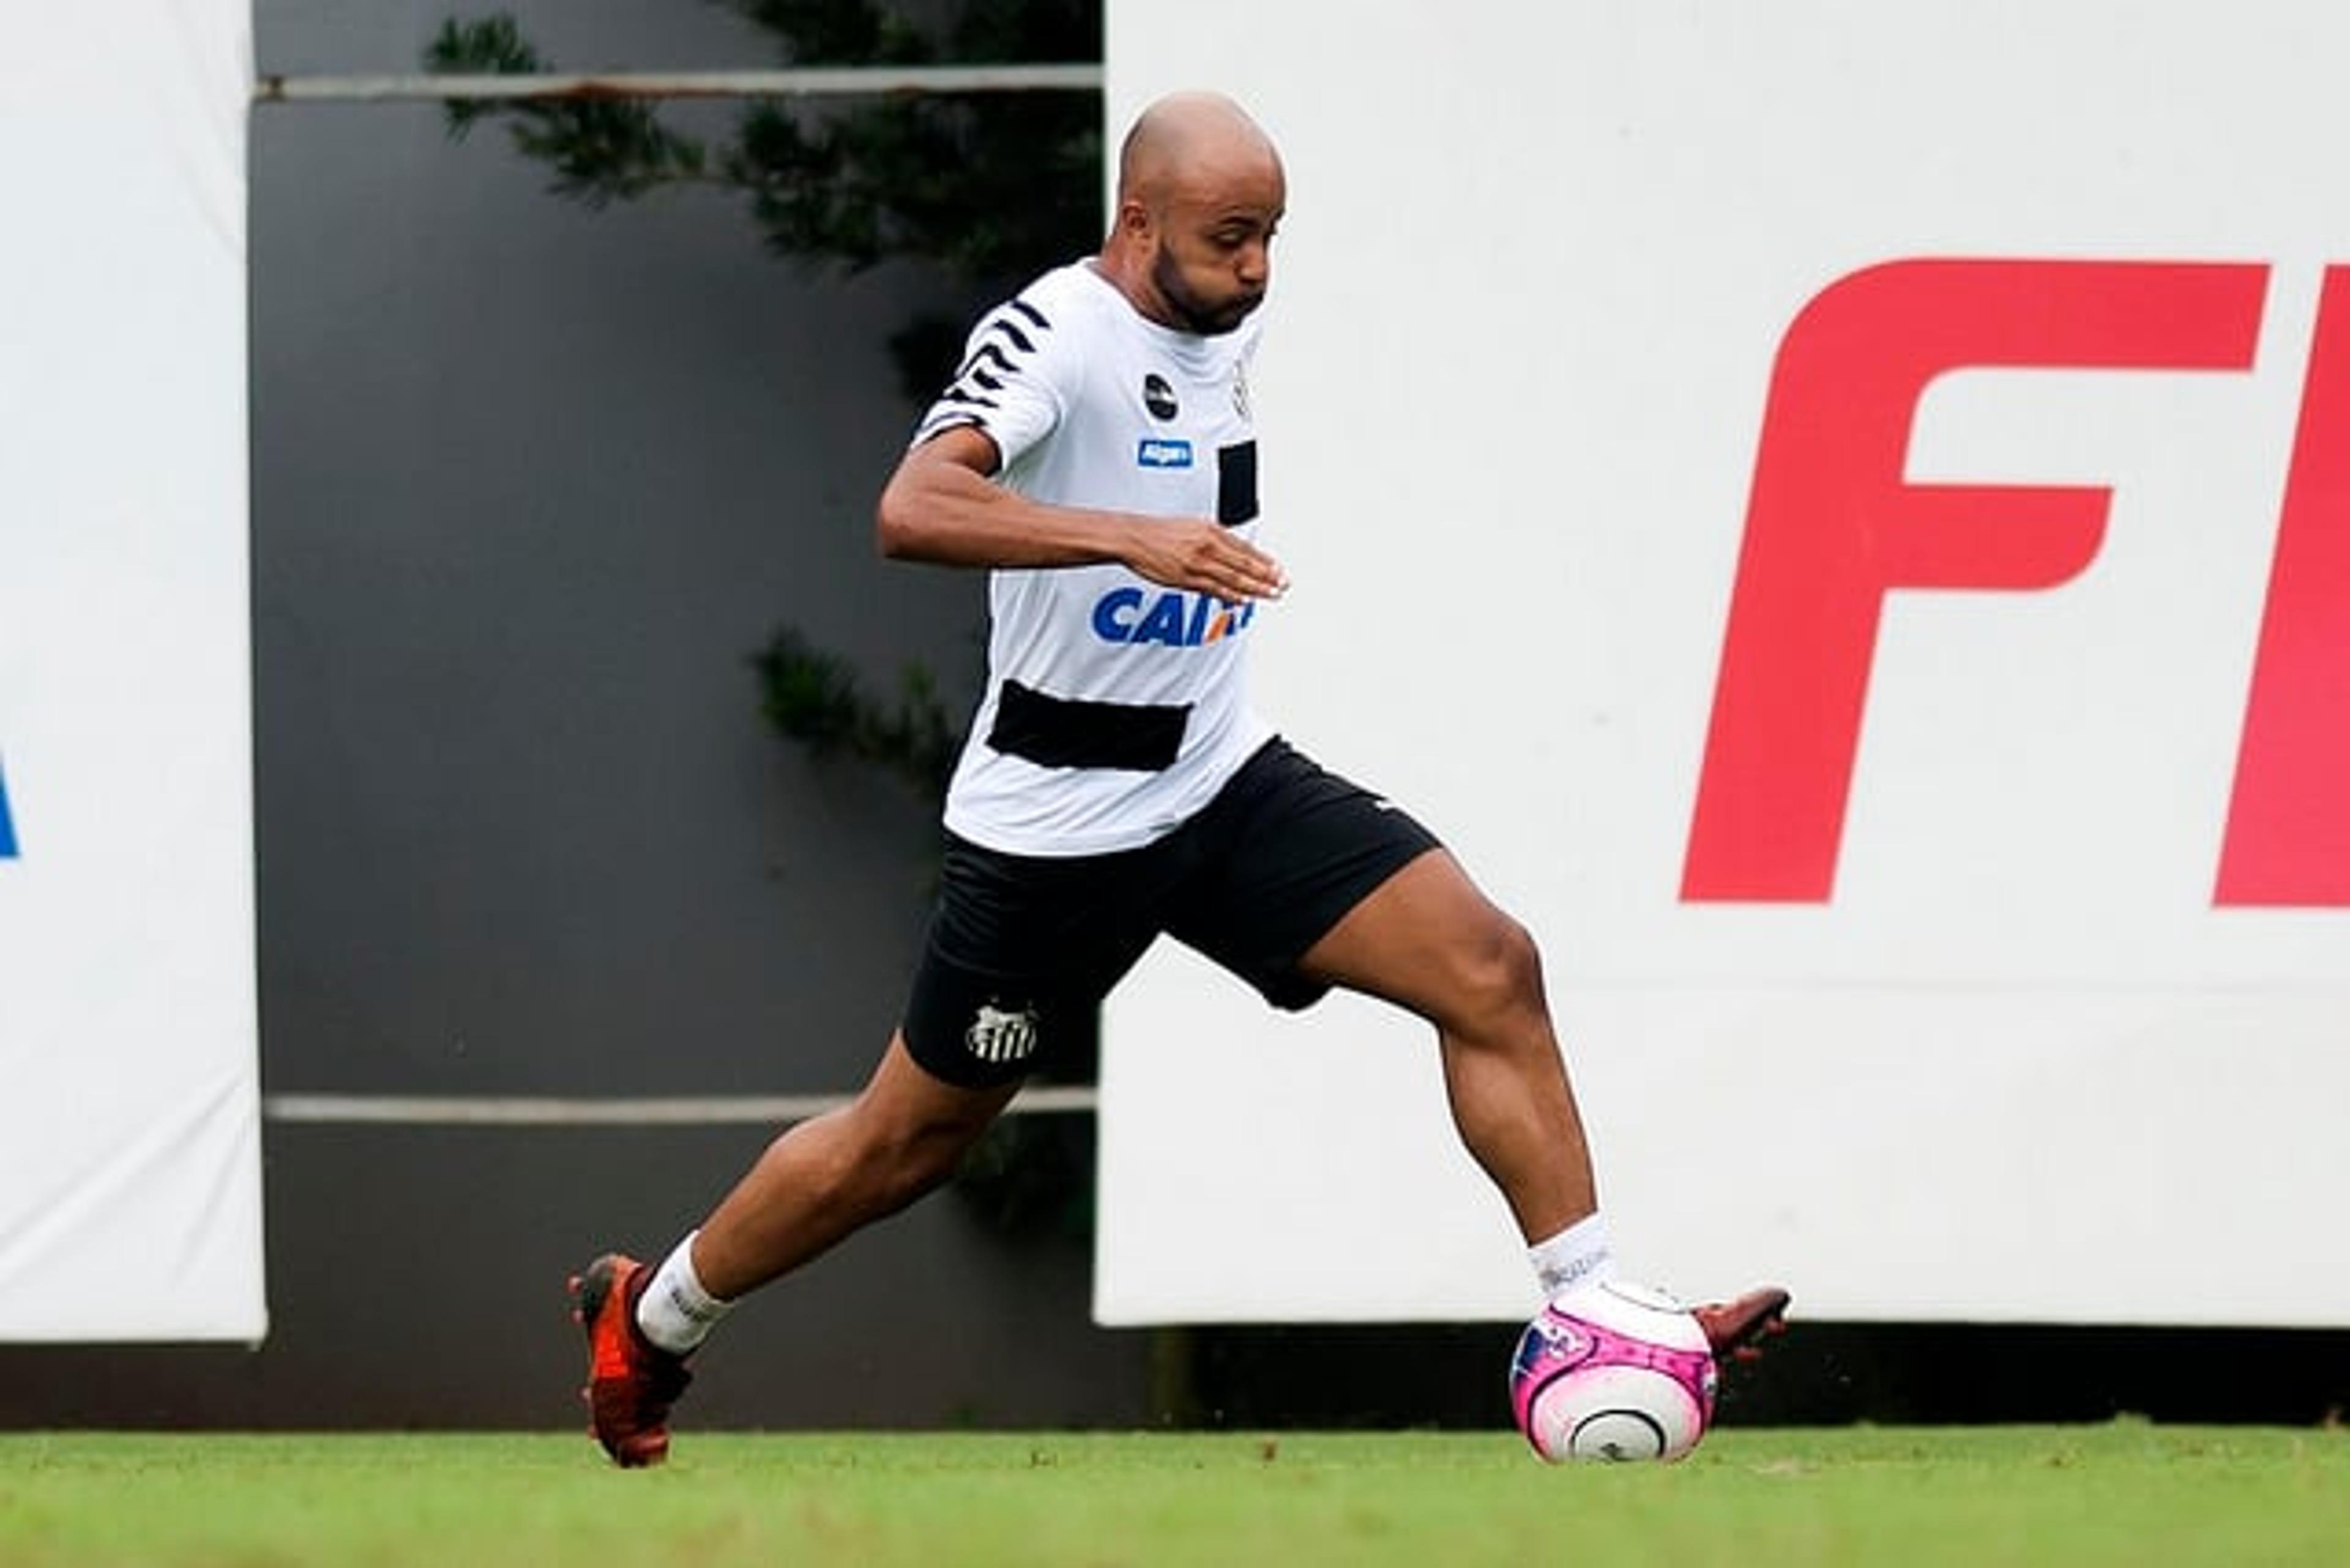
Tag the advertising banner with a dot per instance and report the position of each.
(1840, 516)
(129, 1110)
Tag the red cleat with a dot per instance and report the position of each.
(1736, 1328)
(632, 1382)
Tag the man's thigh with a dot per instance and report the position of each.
(1283, 854)
(1020, 953)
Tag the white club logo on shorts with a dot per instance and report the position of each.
(1001, 1035)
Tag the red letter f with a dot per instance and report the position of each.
(1832, 526)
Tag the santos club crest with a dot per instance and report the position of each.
(1001, 1035)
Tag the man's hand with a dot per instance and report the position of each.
(1204, 557)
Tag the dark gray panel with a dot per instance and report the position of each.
(530, 485)
(388, 37)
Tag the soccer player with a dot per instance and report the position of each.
(1097, 453)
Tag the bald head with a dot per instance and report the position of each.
(1193, 138)
(1200, 193)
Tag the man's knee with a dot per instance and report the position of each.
(900, 1158)
(1497, 976)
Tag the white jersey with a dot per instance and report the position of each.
(1115, 707)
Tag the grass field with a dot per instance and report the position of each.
(2126, 1493)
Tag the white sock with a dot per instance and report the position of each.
(1578, 1255)
(675, 1311)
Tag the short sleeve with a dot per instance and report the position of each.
(1008, 384)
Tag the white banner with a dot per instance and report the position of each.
(1840, 513)
(130, 1118)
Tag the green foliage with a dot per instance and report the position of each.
(1033, 1176)
(836, 32)
(993, 186)
(599, 149)
(990, 187)
(814, 697)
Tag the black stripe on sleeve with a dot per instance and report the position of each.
(987, 353)
(1035, 317)
(1020, 340)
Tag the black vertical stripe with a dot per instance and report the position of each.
(1236, 484)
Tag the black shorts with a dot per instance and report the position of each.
(1023, 947)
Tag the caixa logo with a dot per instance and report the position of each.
(7, 823)
(1833, 525)
(1168, 616)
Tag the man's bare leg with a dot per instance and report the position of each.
(833, 1174)
(821, 1180)
(1429, 941)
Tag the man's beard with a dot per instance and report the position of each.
(1193, 314)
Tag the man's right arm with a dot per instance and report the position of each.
(943, 505)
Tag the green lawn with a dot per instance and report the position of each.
(2126, 1494)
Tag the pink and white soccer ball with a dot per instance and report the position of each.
(1613, 1371)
